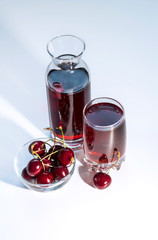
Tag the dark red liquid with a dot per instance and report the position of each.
(68, 91)
(101, 144)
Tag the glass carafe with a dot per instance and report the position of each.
(68, 88)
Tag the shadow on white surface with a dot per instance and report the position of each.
(14, 129)
(85, 174)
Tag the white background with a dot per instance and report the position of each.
(122, 53)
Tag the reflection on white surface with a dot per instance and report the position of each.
(12, 114)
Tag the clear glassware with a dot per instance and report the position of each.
(104, 134)
(22, 158)
(68, 87)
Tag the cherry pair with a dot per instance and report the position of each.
(49, 165)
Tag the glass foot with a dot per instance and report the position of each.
(104, 167)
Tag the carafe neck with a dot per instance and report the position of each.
(66, 61)
(66, 51)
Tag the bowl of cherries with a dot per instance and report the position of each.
(45, 164)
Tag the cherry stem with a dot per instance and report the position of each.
(43, 165)
(39, 158)
(48, 128)
(46, 142)
(49, 155)
(54, 139)
(61, 129)
(35, 152)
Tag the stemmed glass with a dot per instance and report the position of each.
(104, 134)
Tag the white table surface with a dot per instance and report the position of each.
(122, 53)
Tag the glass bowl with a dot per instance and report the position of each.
(22, 158)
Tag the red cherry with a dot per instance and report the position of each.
(66, 156)
(60, 172)
(37, 147)
(34, 167)
(103, 158)
(45, 178)
(47, 163)
(101, 180)
(25, 175)
(54, 149)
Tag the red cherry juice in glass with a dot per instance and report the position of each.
(104, 131)
(68, 91)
